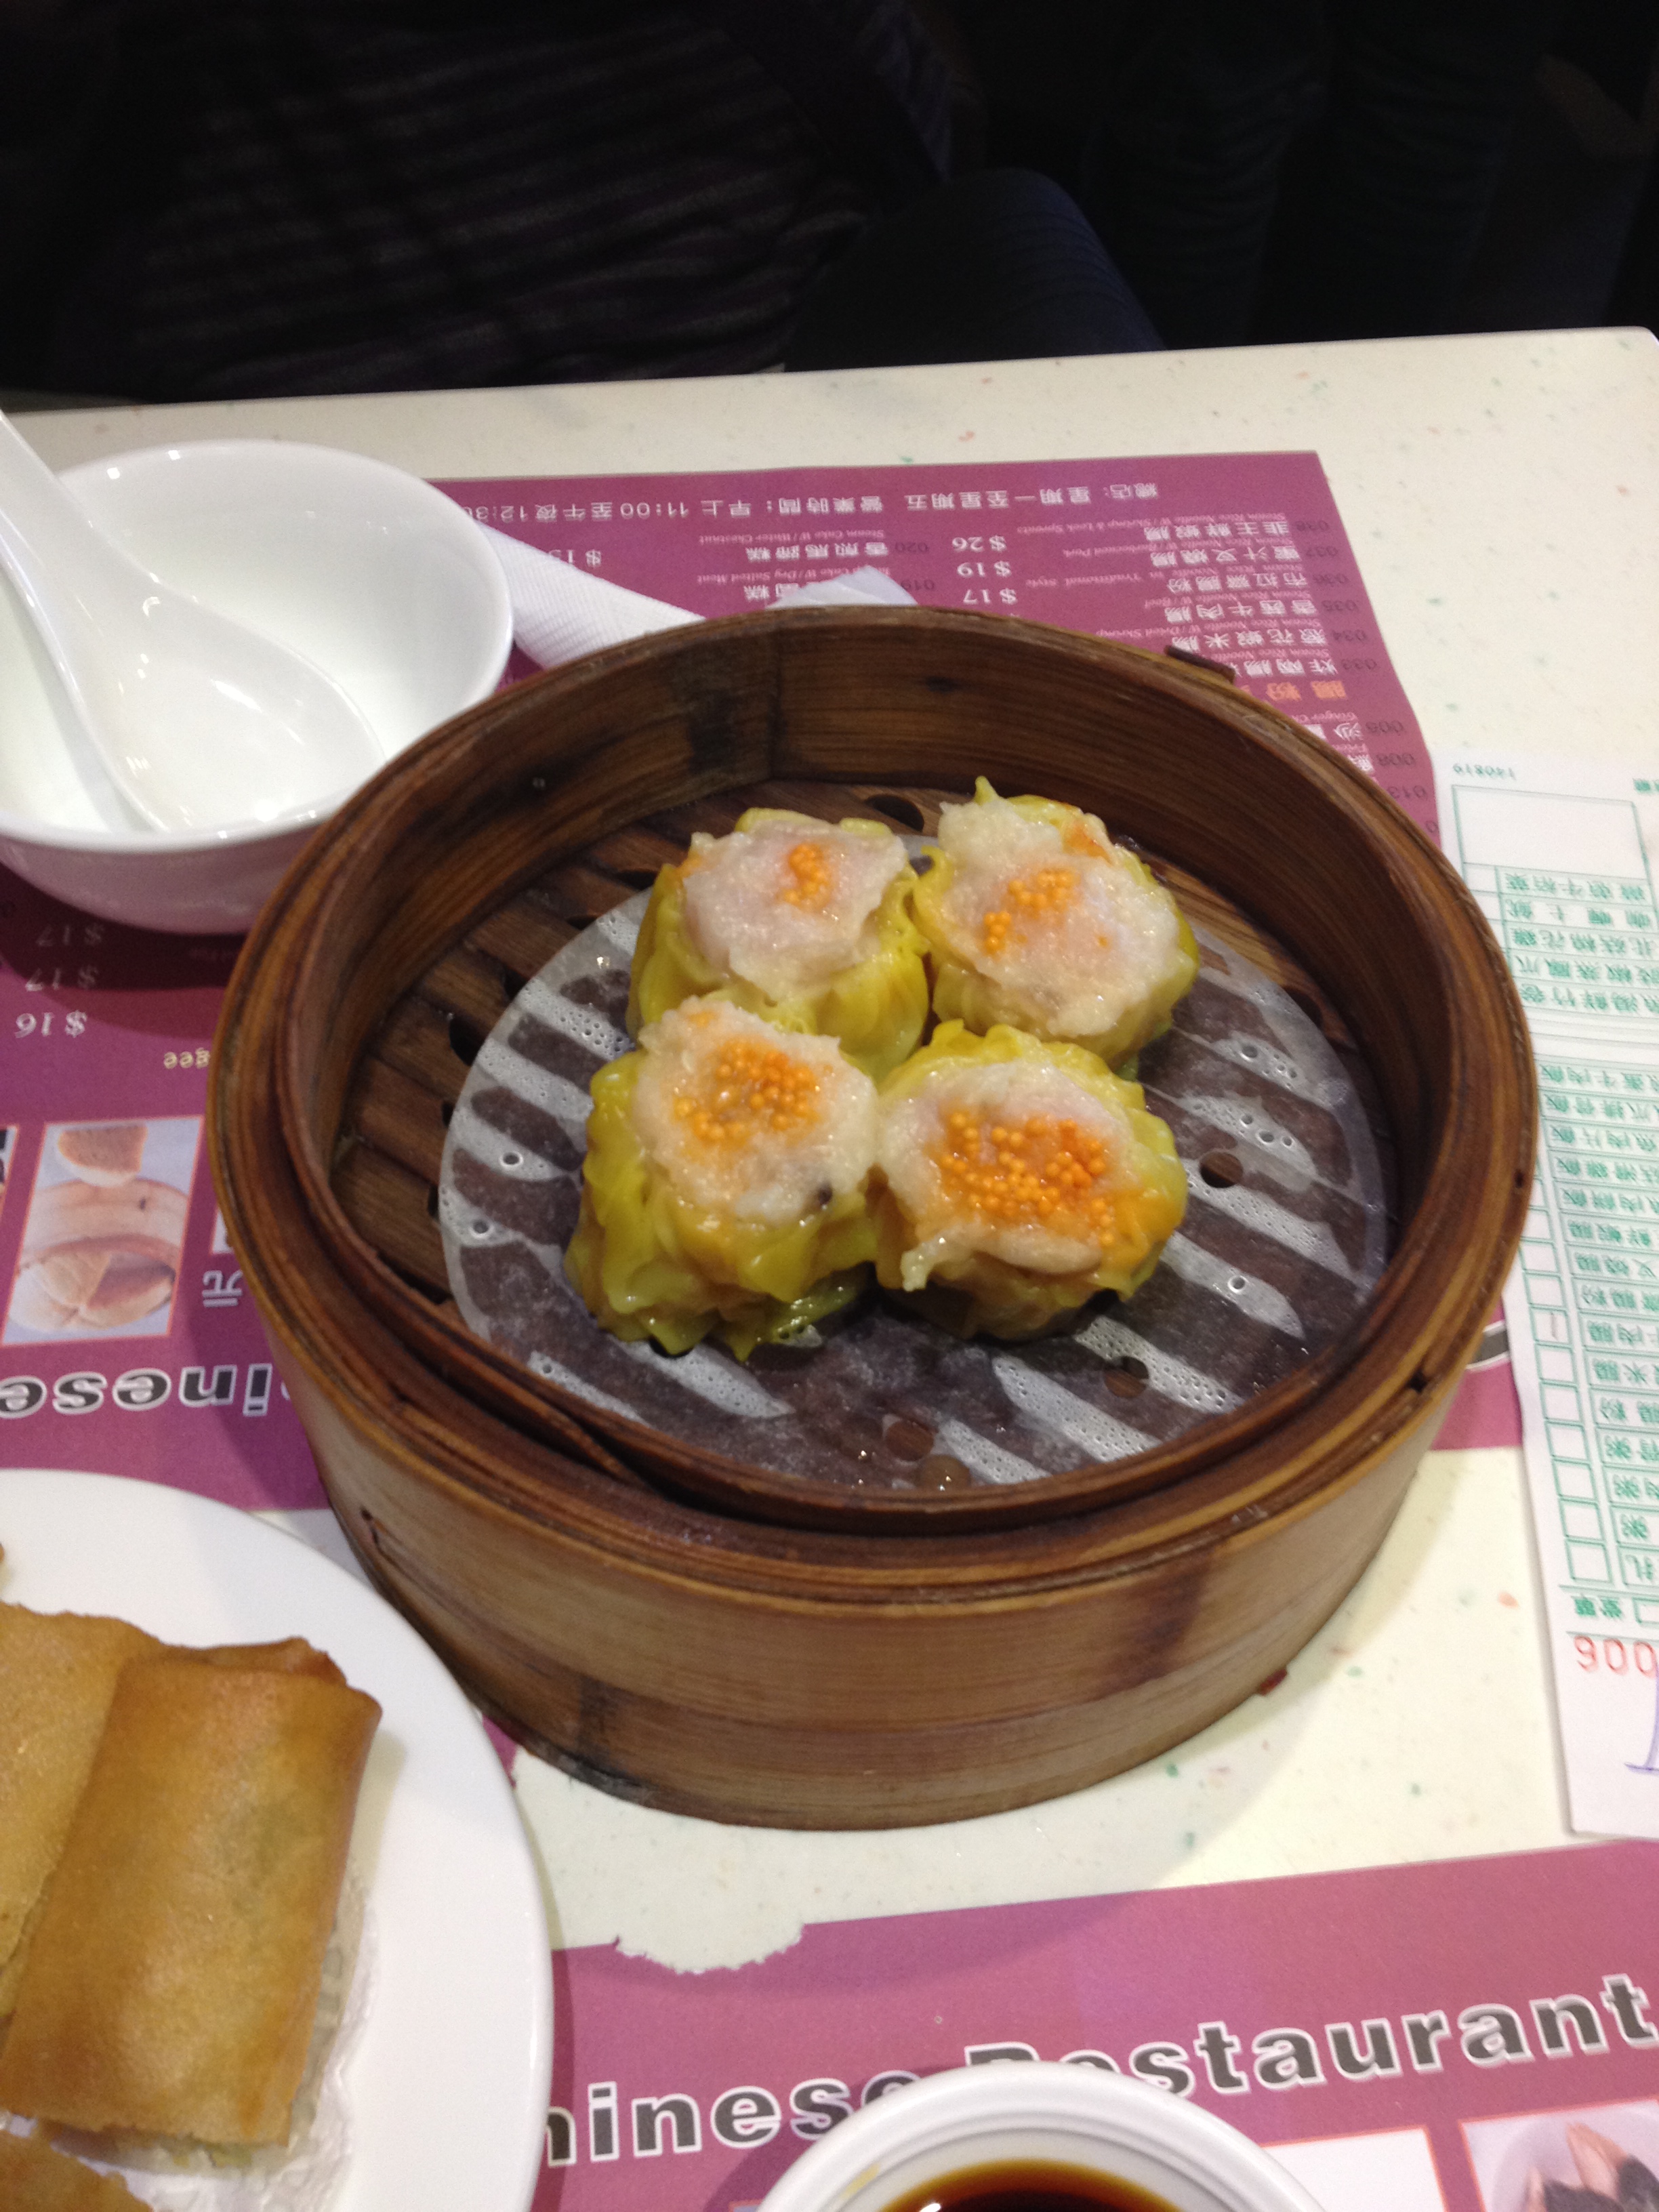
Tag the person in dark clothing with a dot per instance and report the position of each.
(1269, 169)
(220, 198)
(1314, 168)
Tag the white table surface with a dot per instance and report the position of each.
(1502, 497)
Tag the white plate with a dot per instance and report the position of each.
(448, 2084)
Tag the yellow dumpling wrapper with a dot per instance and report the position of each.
(1036, 919)
(1015, 1179)
(725, 1184)
(805, 924)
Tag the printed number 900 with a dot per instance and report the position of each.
(1615, 1654)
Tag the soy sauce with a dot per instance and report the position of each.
(1027, 2185)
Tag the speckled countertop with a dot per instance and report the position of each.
(1502, 494)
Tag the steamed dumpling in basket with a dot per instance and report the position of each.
(1015, 1179)
(1037, 919)
(724, 1183)
(806, 923)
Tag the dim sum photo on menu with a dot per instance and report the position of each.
(105, 1232)
(1601, 2158)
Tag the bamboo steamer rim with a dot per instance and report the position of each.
(1374, 1380)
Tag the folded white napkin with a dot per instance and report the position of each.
(559, 612)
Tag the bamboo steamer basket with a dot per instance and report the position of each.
(674, 1626)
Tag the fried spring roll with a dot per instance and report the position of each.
(58, 1674)
(35, 2178)
(172, 1985)
(293, 1656)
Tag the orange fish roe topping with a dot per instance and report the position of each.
(814, 878)
(1038, 1172)
(1045, 892)
(750, 1090)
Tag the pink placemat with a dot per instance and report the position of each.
(106, 1025)
(1239, 557)
(1412, 2029)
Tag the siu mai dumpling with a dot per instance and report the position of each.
(1037, 919)
(806, 923)
(1015, 1179)
(724, 1183)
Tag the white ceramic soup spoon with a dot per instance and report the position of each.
(199, 723)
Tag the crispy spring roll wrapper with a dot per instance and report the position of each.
(35, 2178)
(293, 1656)
(172, 1985)
(58, 1675)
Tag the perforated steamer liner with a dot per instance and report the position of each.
(1284, 1238)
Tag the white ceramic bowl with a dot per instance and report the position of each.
(1071, 2116)
(365, 570)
